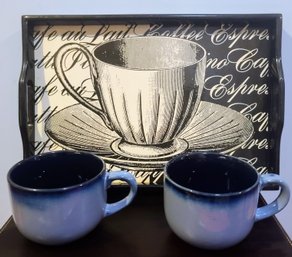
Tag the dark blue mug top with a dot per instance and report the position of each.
(211, 173)
(60, 169)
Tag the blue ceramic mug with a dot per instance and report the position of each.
(58, 197)
(211, 199)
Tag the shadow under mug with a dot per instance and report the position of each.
(60, 196)
(149, 89)
(211, 199)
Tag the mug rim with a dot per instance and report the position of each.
(192, 191)
(57, 189)
(149, 70)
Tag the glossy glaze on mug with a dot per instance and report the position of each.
(54, 173)
(210, 200)
(59, 197)
(227, 175)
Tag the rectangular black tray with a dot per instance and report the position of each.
(242, 107)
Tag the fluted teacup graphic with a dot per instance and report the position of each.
(149, 89)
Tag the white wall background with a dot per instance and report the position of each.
(11, 57)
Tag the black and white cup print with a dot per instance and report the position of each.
(149, 90)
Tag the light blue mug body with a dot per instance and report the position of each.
(61, 196)
(212, 216)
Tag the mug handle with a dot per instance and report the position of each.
(58, 64)
(279, 203)
(112, 208)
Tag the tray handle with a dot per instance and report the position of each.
(26, 109)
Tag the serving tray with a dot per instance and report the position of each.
(239, 112)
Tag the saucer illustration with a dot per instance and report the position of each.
(214, 128)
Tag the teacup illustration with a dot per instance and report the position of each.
(149, 89)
